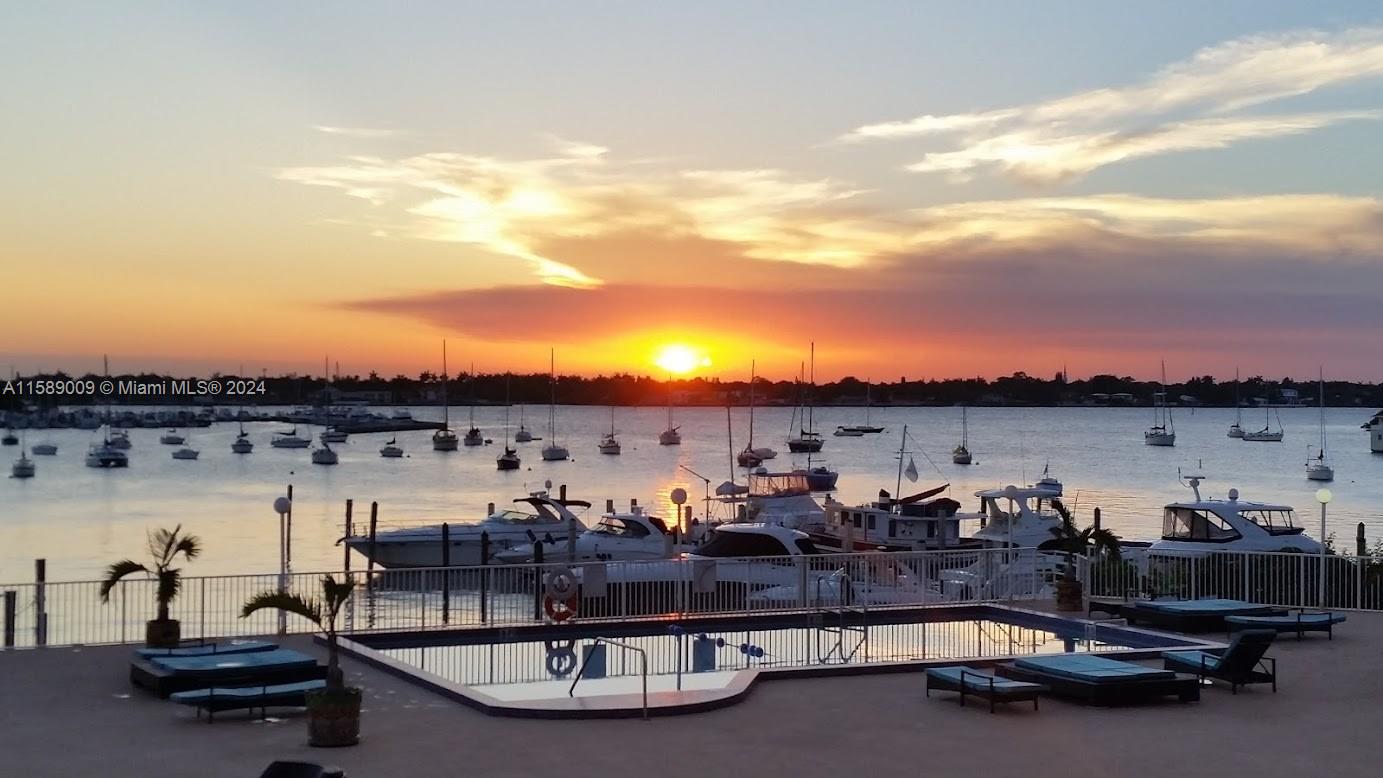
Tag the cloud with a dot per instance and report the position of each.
(356, 132)
(1194, 104)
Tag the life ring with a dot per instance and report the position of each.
(569, 606)
(561, 584)
(561, 657)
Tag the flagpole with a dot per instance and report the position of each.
(902, 446)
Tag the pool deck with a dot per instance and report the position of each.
(66, 711)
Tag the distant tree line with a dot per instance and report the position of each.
(626, 389)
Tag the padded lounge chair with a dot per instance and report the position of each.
(986, 687)
(1098, 680)
(1242, 663)
(1300, 622)
(218, 699)
(164, 675)
(206, 649)
(1205, 615)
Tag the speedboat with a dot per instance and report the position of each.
(1205, 526)
(289, 439)
(509, 460)
(609, 444)
(444, 440)
(391, 450)
(421, 546)
(44, 449)
(614, 537)
(848, 432)
(333, 435)
(186, 452)
(171, 438)
(23, 467)
(324, 456)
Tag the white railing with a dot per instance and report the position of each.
(1286, 579)
(71, 612)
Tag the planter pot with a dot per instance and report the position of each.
(333, 718)
(162, 633)
(1070, 595)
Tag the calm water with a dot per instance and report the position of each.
(81, 518)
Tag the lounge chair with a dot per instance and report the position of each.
(1205, 615)
(1241, 663)
(164, 675)
(1301, 622)
(986, 687)
(217, 699)
(1098, 680)
(206, 649)
(301, 770)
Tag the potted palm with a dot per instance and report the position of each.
(1071, 540)
(333, 713)
(164, 549)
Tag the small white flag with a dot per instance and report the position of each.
(911, 472)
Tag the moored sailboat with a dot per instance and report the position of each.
(444, 439)
(1318, 468)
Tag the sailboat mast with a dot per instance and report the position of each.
(552, 402)
(902, 449)
(752, 367)
(1238, 410)
(446, 414)
(470, 378)
(1320, 379)
(811, 387)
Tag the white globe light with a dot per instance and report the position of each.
(1323, 496)
(282, 505)
(679, 496)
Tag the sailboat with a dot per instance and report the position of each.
(523, 435)
(105, 453)
(444, 439)
(553, 452)
(960, 455)
(187, 452)
(609, 444)
(324, 455)
(44, 449)
(242, 444)
(1163, 431)
(392, 449)
(509, 460)
(751, 456)
(669, 436)
(289, 439)
(1236, 430)
(1318, 468)
(808, 440)
(855, 430)
(473, 435)
(23, 467)
(1266, 435)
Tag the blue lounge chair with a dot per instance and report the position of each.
(216, 699)
(1099, 680)
(986, 687)
(1300, 622)
(164, 675)
(1241, 663)
(1192, 615)
(206, 649)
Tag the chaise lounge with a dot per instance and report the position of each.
(1241, 663)
(217, 699)
(1097, 680)
(1301, 622)
(986, 687)
(1205, 615)
(206, 649)
(167, 674)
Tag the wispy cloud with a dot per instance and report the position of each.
(1194, 104)
(367, 133)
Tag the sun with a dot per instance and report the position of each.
(680, 359)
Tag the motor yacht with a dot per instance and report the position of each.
(1374, 427)
(920, 522)
(421, 546)
(616, 536)
(186, 453)
(1205, 526)
(783, 499)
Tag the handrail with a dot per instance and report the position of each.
(643, 668)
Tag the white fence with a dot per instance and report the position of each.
(66, 613)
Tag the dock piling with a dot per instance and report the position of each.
(1361, 547)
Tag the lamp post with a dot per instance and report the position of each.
(1323, 497)
(283, 507)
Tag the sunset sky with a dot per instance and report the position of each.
(923, 189)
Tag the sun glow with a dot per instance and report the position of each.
(680, 359)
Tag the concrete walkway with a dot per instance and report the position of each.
(72, 712)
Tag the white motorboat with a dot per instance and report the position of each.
(1048, 481)
(324, 456)
(1374, 427)
(186, 453)
(1163, 430)
(1236, 430)
(960, 455)
(391, 450)
(444, 439)
(615, 536)
(44, 449)
(333, 435)
(783, 499)
(1022, 517)
(171, 438)
(1267, 434)
(1318, 468)
(553, 452)
(1205, 526)
(421, 546)
(289, 439)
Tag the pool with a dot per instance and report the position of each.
(699, 663)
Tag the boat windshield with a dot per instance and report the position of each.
(1196, 525)
(1273, 521)
(509, 516)
(744, 544)
(614, 526)
(778, 484)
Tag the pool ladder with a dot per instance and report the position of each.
(837, 651)
(643, 668)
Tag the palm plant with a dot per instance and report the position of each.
(320, 611)
(164, 549)
(1071, 540)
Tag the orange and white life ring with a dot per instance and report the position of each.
(568, 609)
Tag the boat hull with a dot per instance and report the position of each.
(1160, 439)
